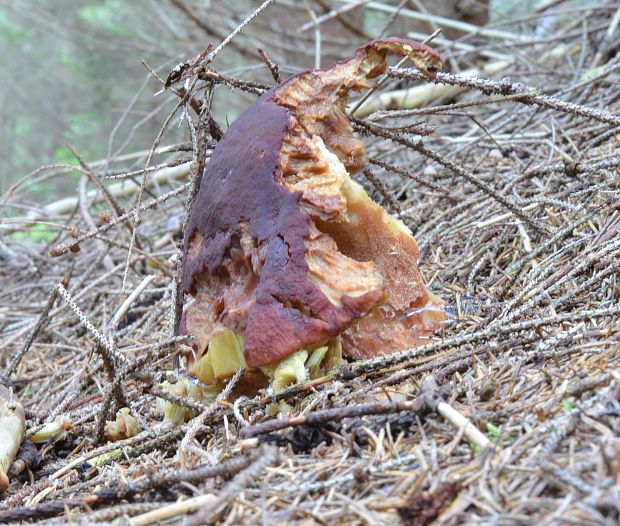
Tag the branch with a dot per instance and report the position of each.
(410, 98)
(124, 189)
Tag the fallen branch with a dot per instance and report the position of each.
(123, 189)
(429, 399)
(335, 414)
(526, 94)
(63, 248)
(430, 391)
(126, 491)
(424, 95)
(172, 510)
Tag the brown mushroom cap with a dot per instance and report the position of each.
(281, 245)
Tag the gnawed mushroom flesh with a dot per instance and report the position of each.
(284, 252)
(12, 421)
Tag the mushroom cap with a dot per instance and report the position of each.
(239, 187)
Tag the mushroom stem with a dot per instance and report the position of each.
(55, 429)
(12, 422)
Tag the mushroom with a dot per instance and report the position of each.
(12, 422)
(124, 426)
(176, 414)
(54, 430)
(283, 251)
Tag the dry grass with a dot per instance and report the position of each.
(514, 199)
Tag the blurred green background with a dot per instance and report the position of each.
(69, 70)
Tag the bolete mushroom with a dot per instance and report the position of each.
(283, 251)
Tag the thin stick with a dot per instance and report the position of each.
(529, 95)
(43, 317)
(183, 507)
(64, 248)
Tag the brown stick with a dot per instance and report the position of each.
(328, 415)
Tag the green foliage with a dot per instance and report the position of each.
(568, 407)
(495, 433)
(502, 9)
(44, 187)
(11, 31)
(493, 430)
(37, 233)
(68, 59)
(106, 16)
(65, 156)
(591, 73)
(23, 125)
(81, 124)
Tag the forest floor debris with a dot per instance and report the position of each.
(514, 198)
